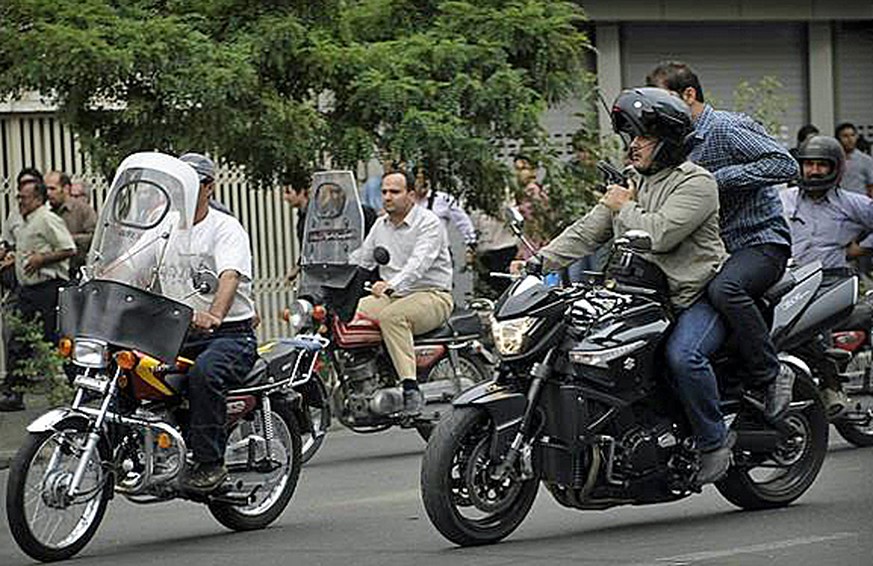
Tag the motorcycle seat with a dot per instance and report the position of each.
(461, 324)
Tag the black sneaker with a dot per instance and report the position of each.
(413, 400)
(11, 402)
(205, 478)
(714, 464)
(779, 394)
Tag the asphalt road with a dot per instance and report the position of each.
(358, 503)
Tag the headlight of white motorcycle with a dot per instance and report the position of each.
(299, 315)
(90, 353)
(509, 335)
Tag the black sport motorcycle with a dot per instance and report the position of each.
(581, 403)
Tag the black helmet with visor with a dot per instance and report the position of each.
(654, 112)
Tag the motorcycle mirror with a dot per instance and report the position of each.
(381, 255)
(513, 217)
(637, 240)
(205, 282)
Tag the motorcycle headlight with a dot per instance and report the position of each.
(509, 335)
(90, 353)
(300, 315)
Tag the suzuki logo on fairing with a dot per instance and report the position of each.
(791, 301)
(630, 364)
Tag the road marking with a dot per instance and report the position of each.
(394, 497)
(753, 549)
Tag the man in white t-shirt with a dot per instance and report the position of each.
(222, 342)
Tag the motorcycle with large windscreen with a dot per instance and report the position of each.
(125, 431)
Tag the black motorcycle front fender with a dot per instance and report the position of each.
(504, 406)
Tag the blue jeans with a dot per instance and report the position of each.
(699, 331)
(221, 361)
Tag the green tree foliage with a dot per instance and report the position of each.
(765, 101)
(282, 86)
(42, 370)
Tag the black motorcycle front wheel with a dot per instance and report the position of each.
(45, 521)
(462, 500)
(778, 478)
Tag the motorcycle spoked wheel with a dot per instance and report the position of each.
(317, 402)
(784, 475)
(471, 369)
(277, 486)
(464, 504)
(47, 525)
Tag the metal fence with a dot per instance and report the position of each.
(41, 141)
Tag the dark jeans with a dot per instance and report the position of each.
(744, 279)
(221, 361)
(32, 302)
(698, 333)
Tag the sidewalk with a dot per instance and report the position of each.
(13, 427)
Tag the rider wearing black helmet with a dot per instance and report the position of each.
(676, 203)
(654, 113)
(828, 224)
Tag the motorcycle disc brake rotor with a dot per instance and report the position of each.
(487, 494)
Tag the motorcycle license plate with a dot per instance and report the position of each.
(91, 383)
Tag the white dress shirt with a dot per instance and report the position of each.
(419, 250)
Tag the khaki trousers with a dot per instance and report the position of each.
(402, 318)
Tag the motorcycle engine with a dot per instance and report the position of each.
(360, 366)
(643, 450)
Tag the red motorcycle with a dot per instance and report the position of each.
(358, 384)
(853, 352)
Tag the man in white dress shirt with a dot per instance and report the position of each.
(413, 295)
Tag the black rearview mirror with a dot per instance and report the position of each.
(381, 256)
(205, 282)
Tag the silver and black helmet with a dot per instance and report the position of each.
(822, 148)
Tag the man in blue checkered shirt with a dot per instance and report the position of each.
(747, 164)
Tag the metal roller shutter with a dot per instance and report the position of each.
(853, 67)
(723, 55)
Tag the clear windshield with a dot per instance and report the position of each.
(334, 220)
(146, 210)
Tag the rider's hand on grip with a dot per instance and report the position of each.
(534, 265)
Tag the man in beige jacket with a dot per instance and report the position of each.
(676, 202)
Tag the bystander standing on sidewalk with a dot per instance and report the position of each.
(79, 218)
(43, 249)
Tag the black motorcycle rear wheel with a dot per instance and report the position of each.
(462, 501)
(270, 501)
(786, 474)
